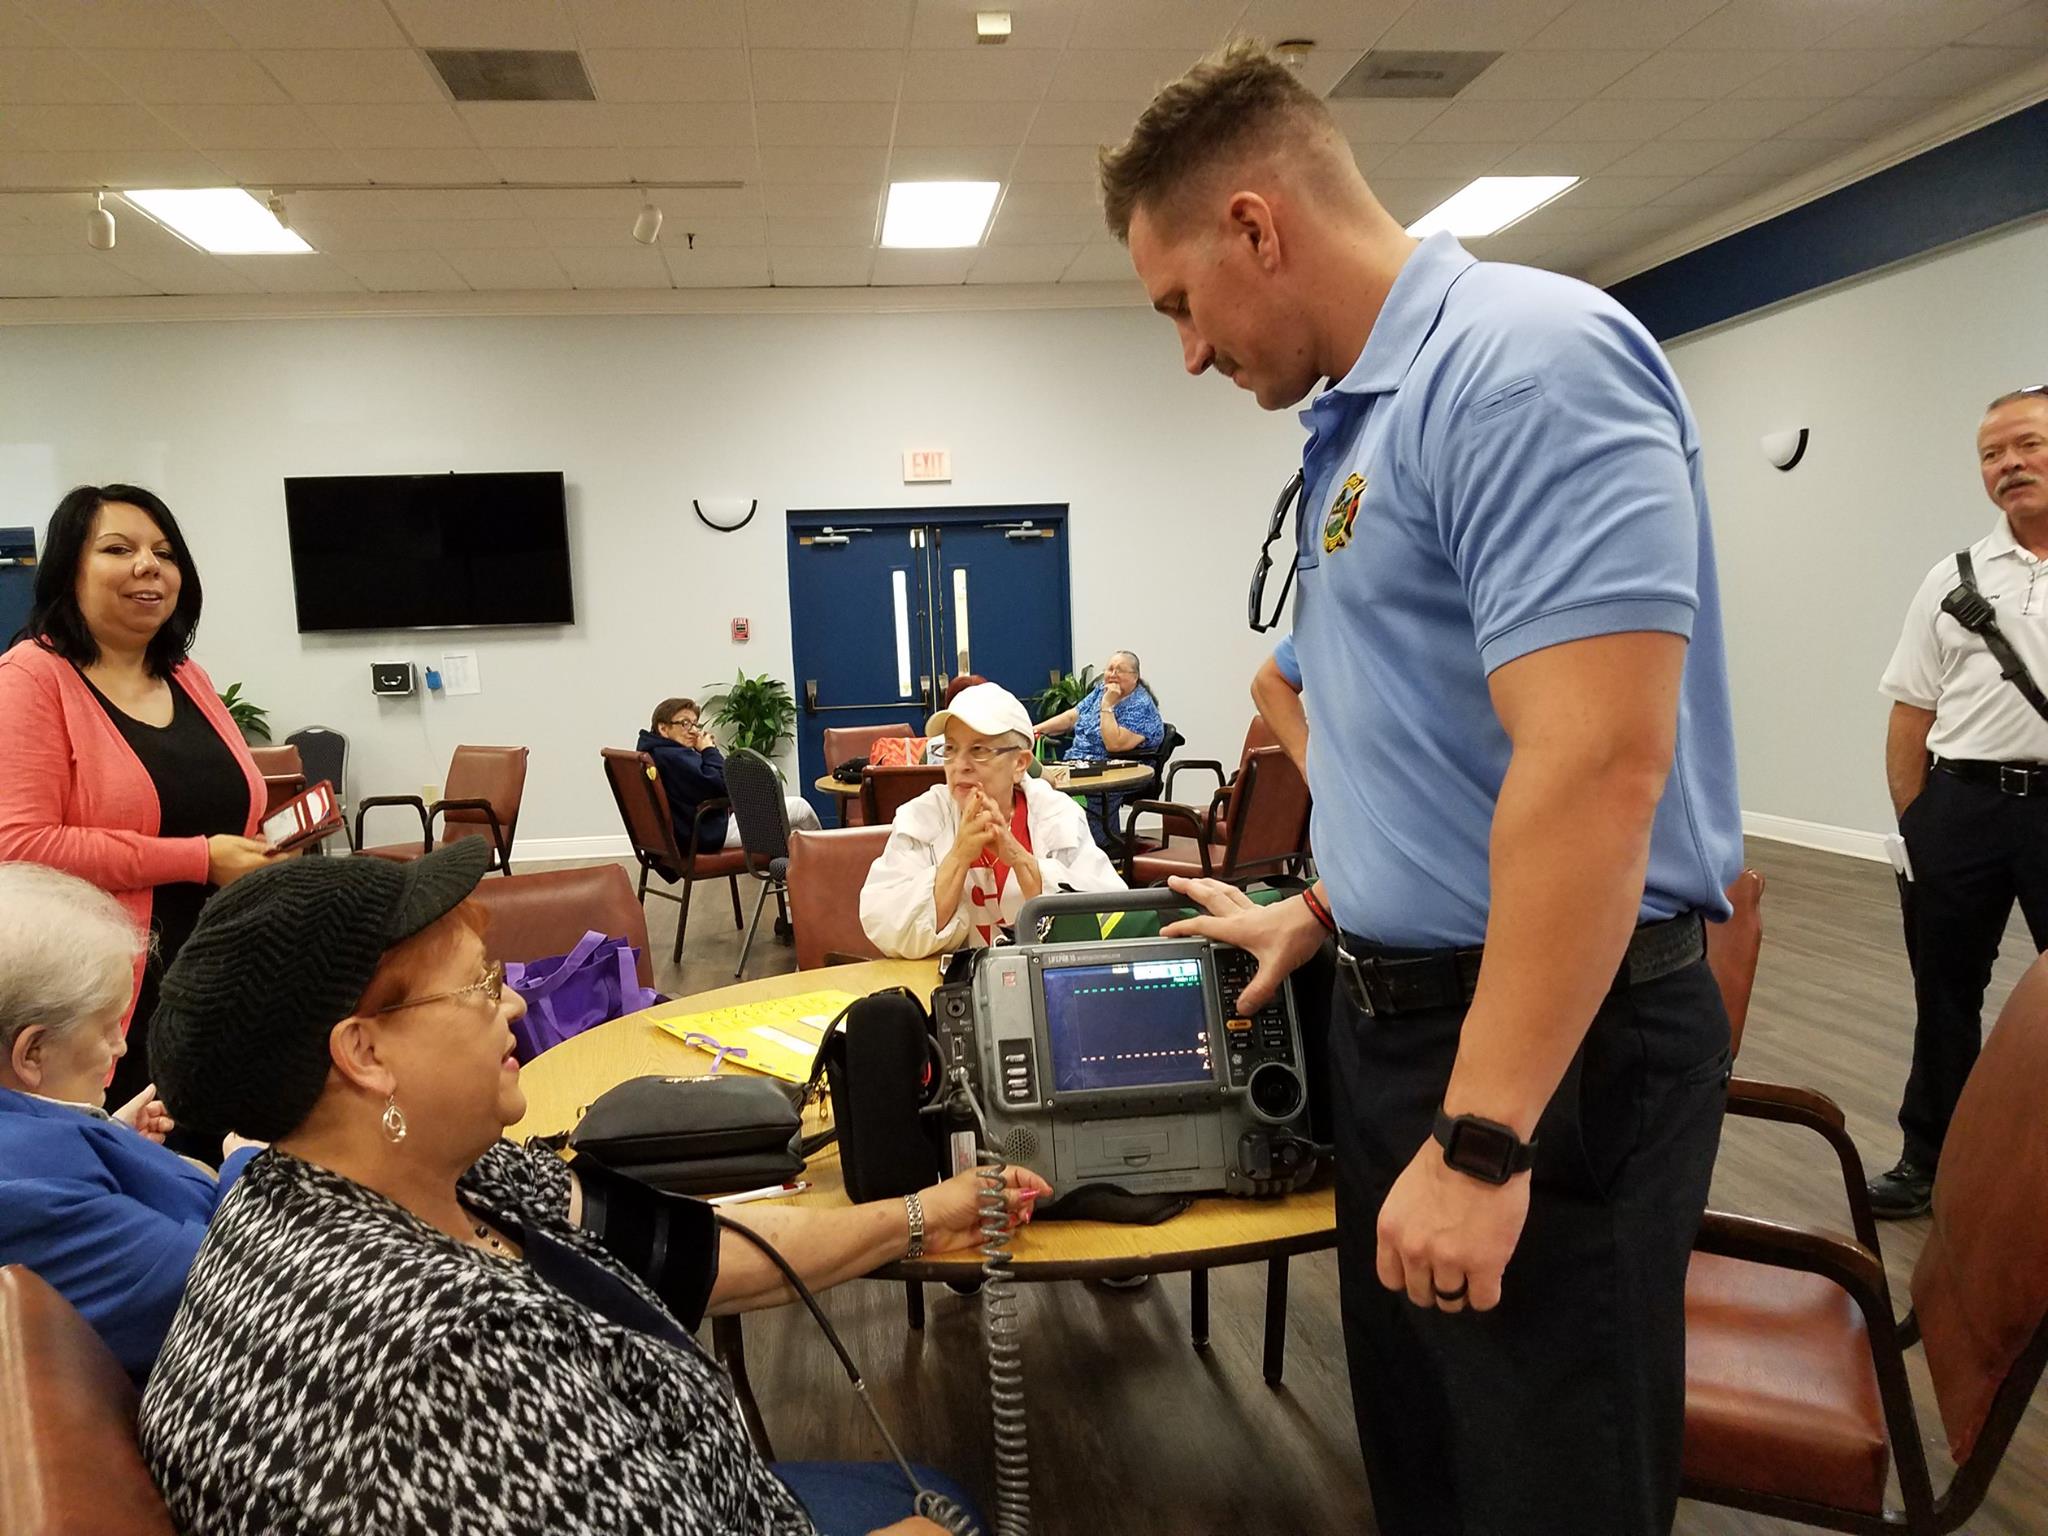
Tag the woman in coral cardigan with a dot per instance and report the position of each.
(122, 766)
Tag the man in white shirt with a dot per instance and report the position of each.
(1976, 826)
(964, 856)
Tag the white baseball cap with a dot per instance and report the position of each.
(987, 709)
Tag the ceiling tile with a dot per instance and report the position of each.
(934, 268)
(860, 204)
(589, 234)
(1831, 72)
(712, 234)
(1702, 74)
(52, 75)
(659, 23)
(1012, 228)
(344, 236)
(1612, 119)
(625, 265)
(259, 127)
(1384, 122)
(667, 74)
(39, 169)
(684, 124)
(393, 126)
(286, 167)
(1548, 75)
(1769, 24)
(403, 272)
(797, 232)
(407, 203)
(189, 75)
(1493, 24)
(986, 74)
(353, 76)
(2026, 27)
(303, 273)
(34, 277)
(1442, 160)
(508, 270)
(1916, 23)
(1744, 121)
(1954, 72)
(1198, 24)
(914, 163)
(45, 207)
(784, 123)
(150, 24)
(1055, 162)
(99, 126)
(1714, 192)
(1100, 264)
(1564, 217)
(703, 268)
(828, 23)
(816, 267)
(1513, 244)
(1861, 117)
(1490, 122)
(19, 30)
(1033, 23)
(1118, 74)
(138, 168)
(1621, 191)
(539, 124)
(267, 24)
(1624, 23)
(725, 162)
(1053, 197)
(1022, 263)
(615, 204)
(1084, 122)
(44, 240)
(1561, 159)
(1781, 157)
(858, 165)
(581, 164)
(182, 271)
(402, 165)
(1676, 157)
(813, 74)
(1338, 25)
(485, 23)
(968, 124)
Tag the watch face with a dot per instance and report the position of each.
(1484, 1151)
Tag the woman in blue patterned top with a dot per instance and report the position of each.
(1119, 718)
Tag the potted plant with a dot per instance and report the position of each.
(1064, 694)
(755, 712)
(253, 719)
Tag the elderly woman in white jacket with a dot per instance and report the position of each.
(964, 857)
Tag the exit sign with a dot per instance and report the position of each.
(926, 464)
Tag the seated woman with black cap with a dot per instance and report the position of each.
(403, 1323)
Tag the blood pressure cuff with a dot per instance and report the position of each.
(670, 1241)
(696, 1135)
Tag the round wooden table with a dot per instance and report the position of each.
(1212, 1233)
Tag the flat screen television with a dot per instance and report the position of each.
(428, 551)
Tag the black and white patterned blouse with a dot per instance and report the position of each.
(339, 1366)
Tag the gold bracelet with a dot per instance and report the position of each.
(914, 1208)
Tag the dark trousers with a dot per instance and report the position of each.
(1974, 852)
(1560, 1412)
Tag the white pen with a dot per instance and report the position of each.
(767, 1192)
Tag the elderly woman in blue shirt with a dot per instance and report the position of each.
(91, 1201)
(1119, 718)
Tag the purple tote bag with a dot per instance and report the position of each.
(595, 982)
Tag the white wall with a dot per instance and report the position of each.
(1169, 481)
(1892, 375)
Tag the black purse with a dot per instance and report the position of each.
(696, 1135)
(880, 1060)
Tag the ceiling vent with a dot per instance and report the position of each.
(1435, 75)
(512, 74)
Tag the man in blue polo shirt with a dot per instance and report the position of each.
(1525, 805)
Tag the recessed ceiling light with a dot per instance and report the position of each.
(224, 220)
(1490, 204)
(933, 214)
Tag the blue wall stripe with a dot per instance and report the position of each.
(1986, 178)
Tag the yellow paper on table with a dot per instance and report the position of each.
(779, 1036)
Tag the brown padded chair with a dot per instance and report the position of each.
(1797, 1398)
(843, 743)
(284, 775)
(826, 872)
(534, 916)
(885, 791)
(480, 799)
(1268, 828)
(69, 1462)
(1216, 814)
(651, 829)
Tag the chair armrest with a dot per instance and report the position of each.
(1784, 1104)
(705, 808)
(1855, 1268)
(1204, 764)
(435, 811)
(419, 805)
(1167, 812)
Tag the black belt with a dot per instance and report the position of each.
(1381, 981)
(2021, 780)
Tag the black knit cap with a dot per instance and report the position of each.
(239, 1037)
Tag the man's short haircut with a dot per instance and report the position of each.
(668, 709)
(2031, 392)
(1240, 99)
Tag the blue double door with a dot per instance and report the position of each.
(887, 607)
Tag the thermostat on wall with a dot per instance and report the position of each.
(391, 678)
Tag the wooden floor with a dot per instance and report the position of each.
(1134, 1433)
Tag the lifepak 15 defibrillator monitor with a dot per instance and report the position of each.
(1130, 1063)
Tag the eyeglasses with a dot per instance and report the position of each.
(1290, 497)
(491, 986)
(981, 754)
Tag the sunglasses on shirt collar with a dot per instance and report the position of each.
(1290, 497)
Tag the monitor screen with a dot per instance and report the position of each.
(428, 551)
(1138, 1025)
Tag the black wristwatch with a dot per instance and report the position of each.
(1485, 1149)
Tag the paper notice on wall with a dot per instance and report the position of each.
(459, 673)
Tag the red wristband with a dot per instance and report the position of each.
(1316, 908)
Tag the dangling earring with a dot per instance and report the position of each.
(394, 1120)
